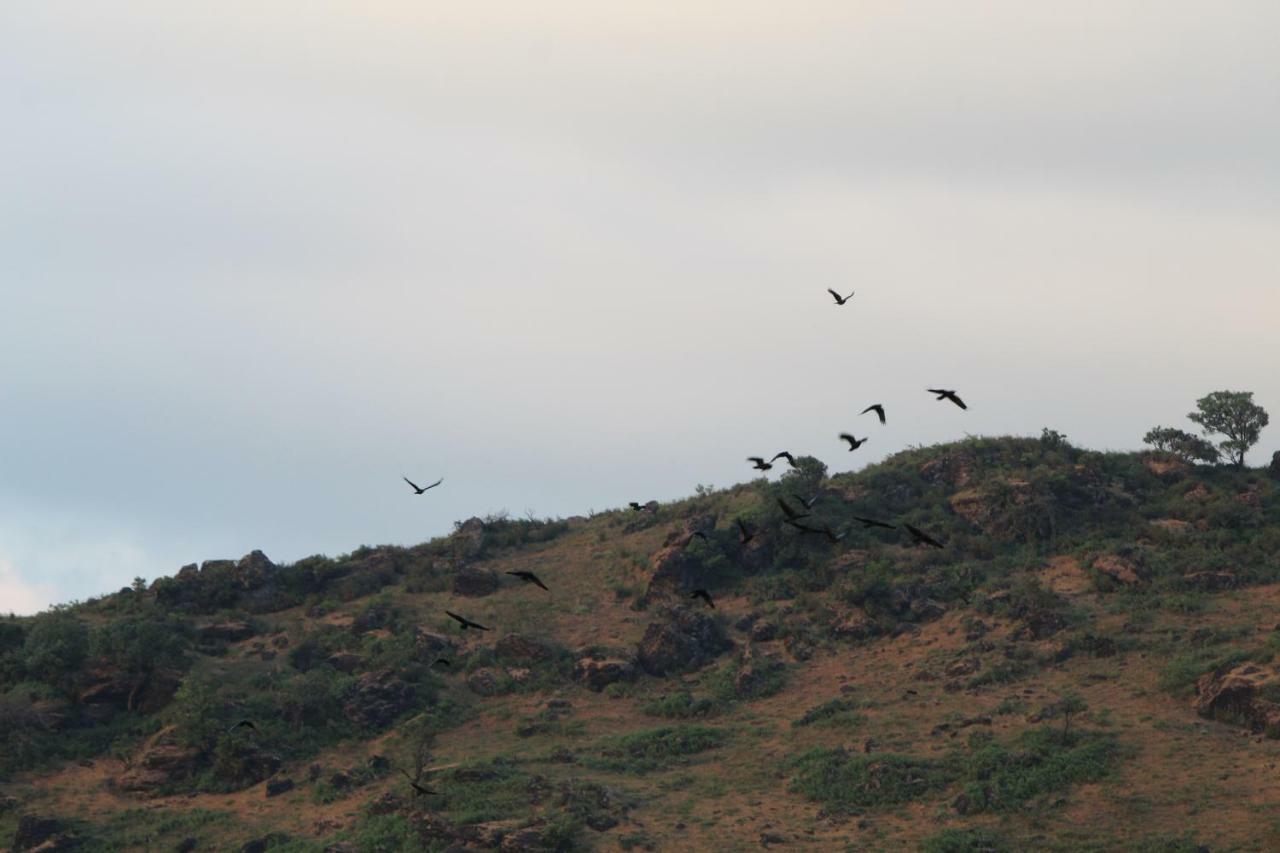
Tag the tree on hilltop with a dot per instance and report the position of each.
(1235, 415)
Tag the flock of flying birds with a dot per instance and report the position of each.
(794, 518)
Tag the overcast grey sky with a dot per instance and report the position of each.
(260, 259)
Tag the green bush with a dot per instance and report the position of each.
(976, 840)
(1040, 761)
(657, 749)
(844, 781)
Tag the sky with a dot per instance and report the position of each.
(259, 260)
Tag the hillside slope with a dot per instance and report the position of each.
(1087, 663)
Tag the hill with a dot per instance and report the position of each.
(1087, 663)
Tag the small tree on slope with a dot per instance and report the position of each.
(1235, 415)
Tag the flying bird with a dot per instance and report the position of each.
(877, 408)
(948, 395)
(834, 537)
(243, 724)
(745, 534)
(808, 504)
(803, 528)
(871, 522)
(923, 538)
(854, 443)
(465, 622)
(439, 661)
(529, 577)
(417, 490)
(759, 464)
(697, 534)
(705, 596)
(419, 790)
(790, 513)
(840, 300)
(791, 460)
(638, 507)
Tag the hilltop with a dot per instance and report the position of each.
(1088, 663)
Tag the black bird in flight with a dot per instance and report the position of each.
(834, 537)
(419, 790)
(417, 490)
(705, 596)
(877, 408)
(759, 464)
(871, 522)
(529, 577)
(803, 528)
(465, 622)
(854, 443)
(439, 661)
(808, 504)
(948, 395)
(840, 300)
(638, 507)
(923, 538)
(243, 724)
(791, 460)
(698, 534)
(790, 513)
(745, 534)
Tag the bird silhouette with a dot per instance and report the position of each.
(417, 490)
(833, 537)
(705, 596)
(418, 790)
(638, 507)
(759, 464)
(529, 577)
(790, 513)
(697, 534)
(854, 443)
(948, 395)
(923, 538)
(465, 622)
(439, 661)
(840, 300)
(791, 460)
(803, 528)
(808, 504)
(745, 534)
(243, 724)
(871, 522)
(877, 408)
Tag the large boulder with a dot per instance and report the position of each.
(163, 760)
(1119, 569)
(597, 674)
(517, 648)
(474, 582)
(431, 646)
(254, 570)
(684, 641)
(1237, 695)
(377, 698)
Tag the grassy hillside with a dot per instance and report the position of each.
(1086, 664)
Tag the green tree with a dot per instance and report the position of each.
(1235, 415)
(1069, 706)
(1182, 444)
(55, 647)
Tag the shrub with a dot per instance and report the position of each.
(844, 781)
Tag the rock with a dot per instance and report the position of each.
(1117, 568)
(254, 570)
(685, 641)
(483, 682)
(347, 662)
(276, 787)
(34, 831)
(114, 689)
(388, 803)
(474, 582)
(953, 469)
(673, 570)
(163, 760)
(225, 632)
(1166, 466)
(959, 668)
(598, 674)
(378, 698)
(855, 625)
(522, 649)
(763, 632)
(431, 646)
(1237, 695)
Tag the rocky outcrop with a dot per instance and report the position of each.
(854, 625)
(1237, 695)
(597, 674)
(1165, 465)
(483, 682)
(378, 698)
(1118, 569)
(517, 648)
(675, 568)
(954, 469)
(111, 689)
(475, 583)
(684, 641)
(431, 646)
(163, 760)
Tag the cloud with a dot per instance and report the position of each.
(19, 596)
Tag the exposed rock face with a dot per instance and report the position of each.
(483, 682)
(675, 569)
(599, 674)
(378, 698)
(855, 625)
(111, 689)
(1237, 695)
(1165, 466)
(989, 511)
(475, 583)
(1118, 569)
(431, 646)
(517, 648)
(686, 640)
(161, 761)
(953, 469)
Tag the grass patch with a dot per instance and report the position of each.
(1179, 676)
(682, 706)
(966, 841)
(847, 782)
(1040, 761)
(840, 712)
(658, 749)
